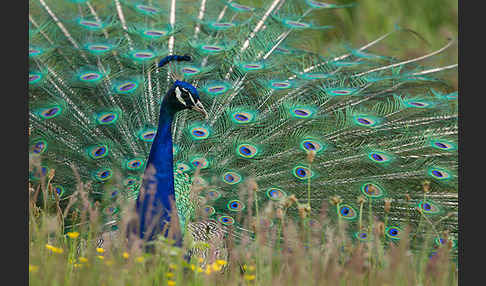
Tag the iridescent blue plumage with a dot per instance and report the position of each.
(156, 204)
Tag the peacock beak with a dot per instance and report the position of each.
(199, 107)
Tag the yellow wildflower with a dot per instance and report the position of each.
(249, 277)
(100, 250)
(125, 255)
(221, 262)
(73, 235)
(139, 259)
(54, 249)
(200, 260)
(193, 267)
(169, 274)
(100, 257)
(171, 283)
(76, 265)
(199, 269)
(33, 268)
(216, 267)
(208, 270)
(172, 266)
(83, 259)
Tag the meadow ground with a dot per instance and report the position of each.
(310, 252)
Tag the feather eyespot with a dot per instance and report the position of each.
(107, 118)
(50, 112)
(443, 145)
(362, 236)
(239, 7)
(34, 52)
(212, 48)
(147, 135)
(312, 145)
(145, 55)
(249, 67)
(231, 178)
(341, 91)
(226, 220)
(209, 210)
(280, 84)
(199, 133)
(190, 70)
(103, 175)
(183, 167)
(98, 48)
(235, 205)
(372, 191)
(379, 157)
(296, 24)
(200, 162)
(302, 173)
(155, 33)
(247, 151)
(134, 164)
(97, 151)
(145, 9)
(439, 174)
(347, 212)
(34, 78)
(126, 87)
(429, 207)
(39, 146)
(276, 194)
(301, 113)
(59, 190)
(393, 232)
(365, 121)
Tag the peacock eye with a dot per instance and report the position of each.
(39, 147)
(362, 236)
(226, 220)
(231, 178)
(209, 210)
(34, 78)
(200, 162)
(247, 151)
(347, 212)
(393, 233)
(276, 194)
(380, 157)
(103, 175)
(97, 151)
(430, 208)
(372, 190)
(302, 173)
(235, 205)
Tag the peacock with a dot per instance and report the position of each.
(182, 106)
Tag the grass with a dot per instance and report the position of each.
(308, 254)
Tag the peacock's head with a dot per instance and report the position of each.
(183, 95)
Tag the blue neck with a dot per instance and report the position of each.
(156, 200)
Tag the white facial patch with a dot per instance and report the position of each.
(190, 96)
(178, 96)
